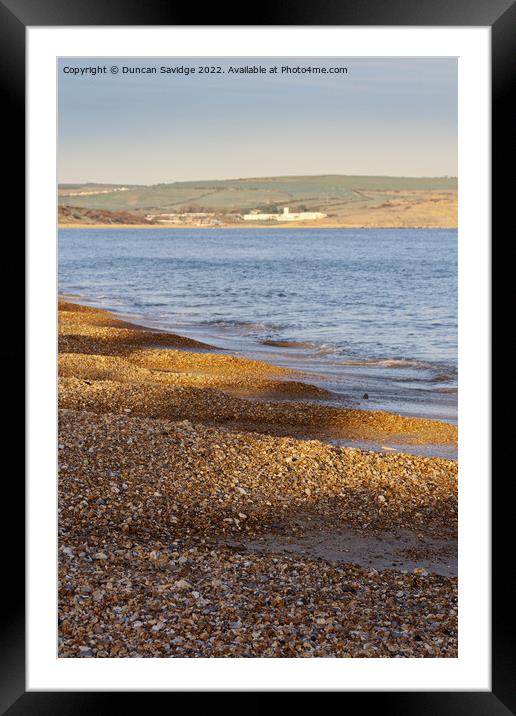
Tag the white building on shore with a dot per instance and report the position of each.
(256, 215)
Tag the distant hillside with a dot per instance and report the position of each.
(79, 215)
(241, 195)
(346, 200)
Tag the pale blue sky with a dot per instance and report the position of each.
(394, 117)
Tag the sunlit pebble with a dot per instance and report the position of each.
(214, 596)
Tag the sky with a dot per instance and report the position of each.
(391, 117)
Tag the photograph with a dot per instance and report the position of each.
(257, 357)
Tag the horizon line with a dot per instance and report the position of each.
(266, 176)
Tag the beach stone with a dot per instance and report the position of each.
(182, 584)
(265, 586)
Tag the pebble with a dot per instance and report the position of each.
(150, 500)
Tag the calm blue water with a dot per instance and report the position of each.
(377, 307)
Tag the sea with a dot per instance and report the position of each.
(369, 314)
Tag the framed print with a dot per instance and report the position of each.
(258, 312)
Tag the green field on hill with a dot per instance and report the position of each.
(241, 195)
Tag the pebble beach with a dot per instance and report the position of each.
(216, 506)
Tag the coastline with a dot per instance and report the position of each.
(109, 339)
(201, 500)
(254, 225)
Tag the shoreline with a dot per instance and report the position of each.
(201, 517)
(297, 355)
(260, 380)
(282, 225)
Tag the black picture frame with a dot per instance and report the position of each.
(15, 17)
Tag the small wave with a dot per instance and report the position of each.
(441, 377)
(288, 344)
(327, 350)
(388, 363)
(246, 326)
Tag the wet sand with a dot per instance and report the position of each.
(204, 510)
